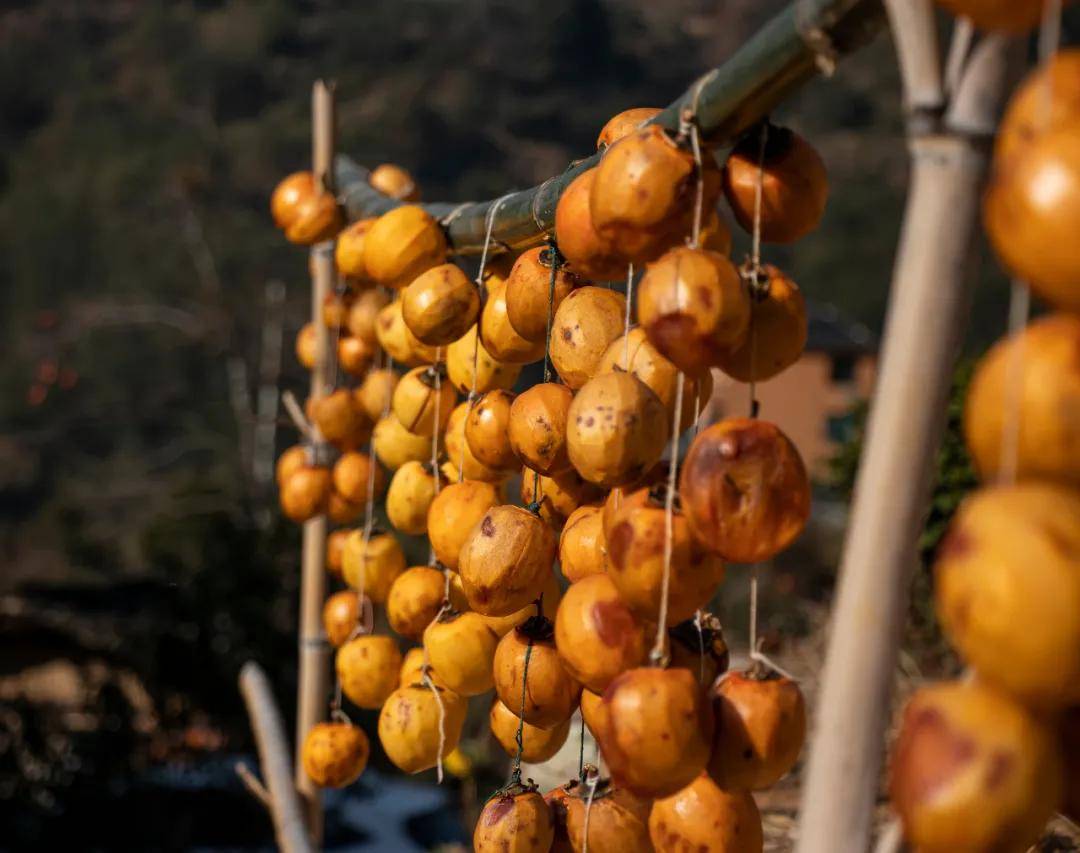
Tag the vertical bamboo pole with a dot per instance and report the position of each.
(927, 309)
(311, 700)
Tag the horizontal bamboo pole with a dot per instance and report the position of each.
(804, 39)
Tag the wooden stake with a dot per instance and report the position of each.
(312, 698)
(927, 309)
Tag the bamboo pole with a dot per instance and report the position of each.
(928, 305)
(312, 698)
(806, 37)
(279, 795)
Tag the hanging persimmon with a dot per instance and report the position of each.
(363, 315)
(658, 730)
(413, 669)
(415, 598)
(461, 461)
(337, 416)
(342, 511)
(596, 634)
(412, 489)
(402, 244)
(537, 427)
(616, 429)
(558, 495)
(744, 490)
(368, 668)
(498, 336)
(972, 770)
(1013, 16)
(440, 305)
(306, 346)
(777, 334)
(551, 693)
(305, 493)
(334, 754)
(1048, 99)
(514, 821)
(634, 494)
(618, 820)
(1027, 390)
(341, 616)
(794, 184)
(461, 649)
(693, 306)
(287, 195)
(506, 560)
(624, 123)
(335, 310)
(372, 566)
(316, 217)
(537, 745)
(582, 547)
(703, 816)
(289, 462)
(354, 355)
(335, 547)
(352, 473)
(490, 373)
(531, 301)
(500, 625)
(1007, 577)
(556, 802)
(395, 182)
(588, 254)
(349, 249)
(454, 512)
(593, 711)
(415, 721)
(486, 430)
(398, 341)
(423, 400)
(394, 445)
(586, 322)
(760, 729)
(373, 395)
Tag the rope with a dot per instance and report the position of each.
(556, 262)
(515, 775)
(626, 319)
(442, 722)
(659, 654)
(581, 748)
(701, 644)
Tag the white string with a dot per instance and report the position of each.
(658, 654)
(592, 781)
(626, 320)
(442, 722)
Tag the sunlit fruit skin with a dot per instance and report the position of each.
(1034, 378)
(559, 495)
(413, 669)
(537, 427)
(704, 818)
(368, 668)
(288, 194)
(618, 822)
(693, 307)
(373, 568)
(412, 489)
(306, 345)
(341, 616)
(306, 493)
(1049, 98)
(402, 244)
(589, 254)
(776, 337)
(596, 634)
(624, 123)
(334, 754)
(501, 625)
(616, 430)
(352, 473)
(530, 300)
(643, 195)
(395, 182)
(794, 185)
(593, 711)
(587, 321)
(364, 314)
(1007, 590)
(409, 726)
(462, 462)
(374, 393)
(335, 547)
(453, 514)
(440, 305)
(461, 649)
(760, 730)
(415, 599)
(394, 445)
(1030, 210)
(490, 372)
(972, 771)
(635, 354)
(506, 560)
(486, 430)
(354, 355)
(498, 336)
(551, 693)
(514, 823)
(289, 462)
(744, 490)
(423, 400)
(658, 730)
(317, 218)
(1070, 739)
(349, 249)
(399, 342)
(582, 547)
(1014, 16)
(636, 563)
(538, 745)
(636, 494)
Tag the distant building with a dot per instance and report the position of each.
(812, 400)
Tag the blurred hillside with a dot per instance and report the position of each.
(140, 142)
